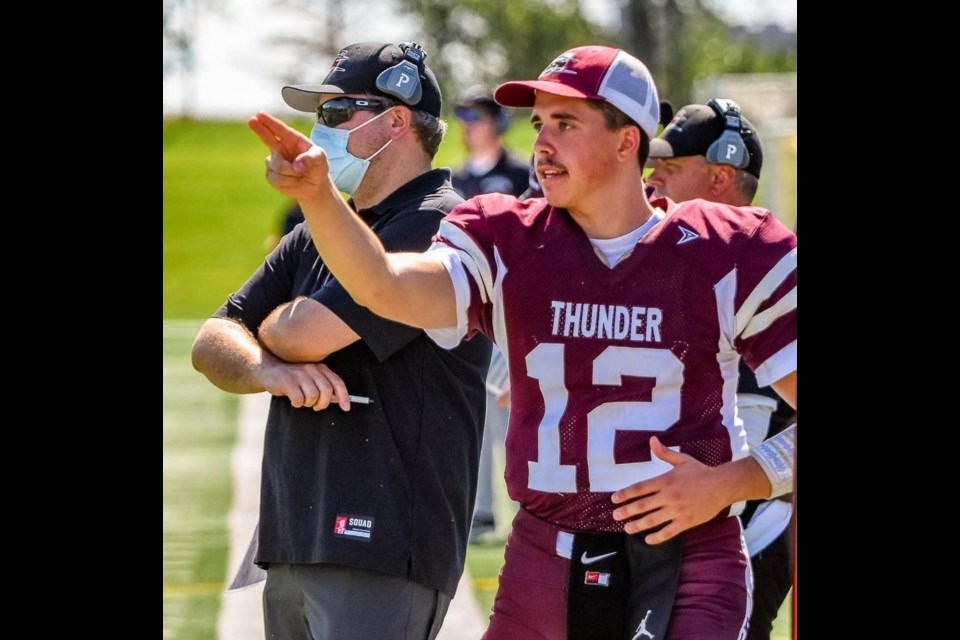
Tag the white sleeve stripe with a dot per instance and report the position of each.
(470, 267)
(462, 241)
(725, 291)
(497, 313)
(449, 337)
(761, 321)
(498, 378)
(466, 263)
(778, 365)
(764, 289)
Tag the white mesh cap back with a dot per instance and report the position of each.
(629, 87)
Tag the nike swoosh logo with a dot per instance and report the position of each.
(585, 559)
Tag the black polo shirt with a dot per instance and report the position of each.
(388, 486)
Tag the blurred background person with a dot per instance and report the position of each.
(489, 168)
(292, 216)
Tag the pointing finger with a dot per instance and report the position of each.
(277, 135)
(264, 134)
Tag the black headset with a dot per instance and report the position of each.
(729, 148)
(402, 80)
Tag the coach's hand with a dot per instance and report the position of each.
(295, 167)
(306, 385)
(689, 494)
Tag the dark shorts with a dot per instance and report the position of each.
(712, 603)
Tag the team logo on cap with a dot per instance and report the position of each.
(339, 60)
(559, 65)
(677, 123)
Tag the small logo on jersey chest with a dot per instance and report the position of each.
(356, 527)
(686, 235)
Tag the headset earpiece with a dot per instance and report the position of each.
(402, 80)
(729, 148)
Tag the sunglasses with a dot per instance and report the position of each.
(339, 110)
(468, 114)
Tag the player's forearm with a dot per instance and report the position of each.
(406, 287)
(776, 457)
(349, 248)
(229, 356)
(742, 479)
(766, 473)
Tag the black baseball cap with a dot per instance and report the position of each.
(481, 97)
(695, 127)
(355, 70)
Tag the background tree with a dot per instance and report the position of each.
(682, 41)
(179, 41)
(486, 41)
(317, 45)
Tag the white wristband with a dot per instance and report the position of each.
(776, 456)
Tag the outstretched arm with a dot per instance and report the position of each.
(407, 287)
(692, 492)
(231, 358)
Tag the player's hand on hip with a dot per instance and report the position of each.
(295, 167)
(682, 498)
(306, 385)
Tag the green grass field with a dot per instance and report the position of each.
(199, 431)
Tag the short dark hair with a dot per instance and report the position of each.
(429, 130)
(747, 184)
(617, 119)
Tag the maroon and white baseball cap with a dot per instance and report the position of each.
(593, 73)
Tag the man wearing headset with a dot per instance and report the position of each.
(365, 507)
(683, 171)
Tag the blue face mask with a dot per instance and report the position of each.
(346, 169)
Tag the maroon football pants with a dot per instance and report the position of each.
(712, 602)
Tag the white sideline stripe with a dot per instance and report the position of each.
(181, 328)
(241, 612)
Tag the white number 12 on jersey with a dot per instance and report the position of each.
(545, 363)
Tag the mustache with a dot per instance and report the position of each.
(542, 165)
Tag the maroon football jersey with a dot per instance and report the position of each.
(602, 359)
